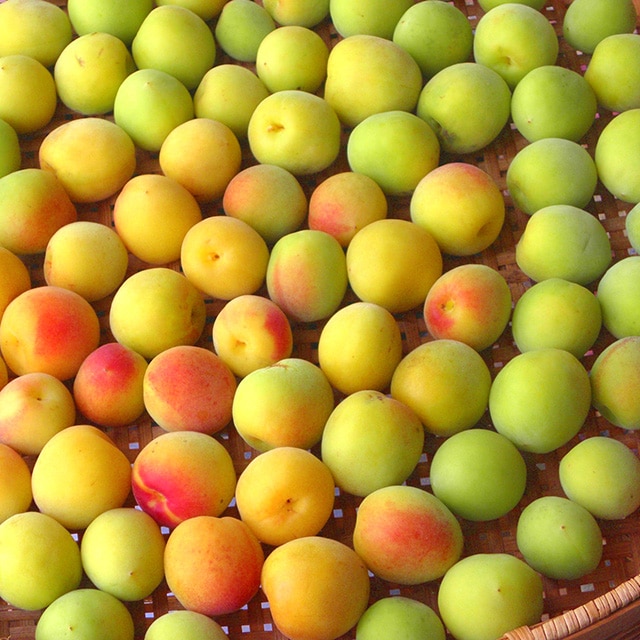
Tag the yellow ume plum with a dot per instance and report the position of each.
(152, 214)
(15, 483)
(39, 560)
(79, 474)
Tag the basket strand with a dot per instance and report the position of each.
(580, 618)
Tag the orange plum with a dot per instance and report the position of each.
(470, 303)
(108, 386)
(33, 206)
(285, 493)
(79, 474)
(308, 577)
(14, 277)
(33, 408)
(183, 474)
(213, 564)
(48, 329)
(189, 388)
(251, 332)
(406, 535)
(15, 483)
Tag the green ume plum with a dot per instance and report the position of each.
(619, 296)
(479, 474)
(540, 399)
(484, 595)
(587, 22)
(559, 538)
(603, 475)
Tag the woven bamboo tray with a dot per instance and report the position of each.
(605, 605)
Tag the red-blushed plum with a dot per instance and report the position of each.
(241, 27)
(395, 148)
(10, 153)
(557, 313)
(89, 612)
(559, 538)
(296, 501)
(33, 408)
(388, 77)
(467, 104)
(603, 475)
(540, 399)
(155, 309)
(15, 277)
(122, 552)
(396, 615)
(461, 206)
(553, 102)
(89, 71)
(615, 382)
(304, 578)
(152, 214)
(359, 347)
(436, 34)
(202, 155)
(514, 38)
(563, 241)
(406, 535)
(285, 404)
(619, 297)
(108, 387)
(121, 18)
(484, 595)
(307, 275)
(183, 474)
(296, 130)
(251, 332)
(92, 157)
(551, 171)
(470, 303)
(229, 93)
(344, 202)
(303, 14)
(33, 206)
(49, 330)
(370, 17)
(590, 21)
(176, 40)
(21, 25)
(617, 155)
(86, 257)
(188, 625)
(15, 480)
(40, 560)
(212, 564)
(479, 474)
(28, 95)
(206, 9)
(224, 257)
(149, 104)
(446, 382)
(189, 388)
(393, 263)
(388, 430)
(267, 197)
(292, 57)
(79, 474)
